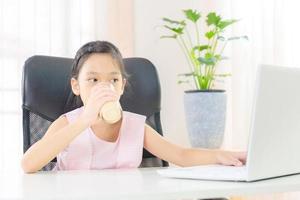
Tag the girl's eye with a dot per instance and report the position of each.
(114, 80)
(92, 80)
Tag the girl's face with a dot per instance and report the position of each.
(98, 68)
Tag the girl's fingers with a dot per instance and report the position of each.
(237, 163)
(96, 102)
(232, 158)
(242, 156)
(105, 99)
(103, 93)
(99, 97)
(232, 161)
(96, 94)
(104, 90)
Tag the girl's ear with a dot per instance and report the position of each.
(123, 86)
(75, 86)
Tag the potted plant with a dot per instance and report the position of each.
(205, 106)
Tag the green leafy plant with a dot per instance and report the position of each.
(201, 57)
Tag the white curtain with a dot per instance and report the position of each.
(49, 27)
(273, 31)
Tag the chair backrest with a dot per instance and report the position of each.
(46, 93)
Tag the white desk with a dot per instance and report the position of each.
(129, 184)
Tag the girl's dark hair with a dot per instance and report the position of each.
(96, 47)
(82, 55)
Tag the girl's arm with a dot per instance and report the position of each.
(185, 157)
(57, 137)
(61, 133)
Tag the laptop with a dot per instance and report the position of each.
(274, 140)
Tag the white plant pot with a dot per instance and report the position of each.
(205, 113)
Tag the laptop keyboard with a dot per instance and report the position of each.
(207, 172)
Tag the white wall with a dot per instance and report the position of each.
(166, 56)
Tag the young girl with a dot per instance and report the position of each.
(80, 139)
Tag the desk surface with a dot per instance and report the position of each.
(130, 184)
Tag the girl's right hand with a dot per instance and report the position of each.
(100, 94)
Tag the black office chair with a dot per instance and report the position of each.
(46, 94)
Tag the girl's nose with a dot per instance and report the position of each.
(106, 84)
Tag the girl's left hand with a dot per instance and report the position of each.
(231, 158)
